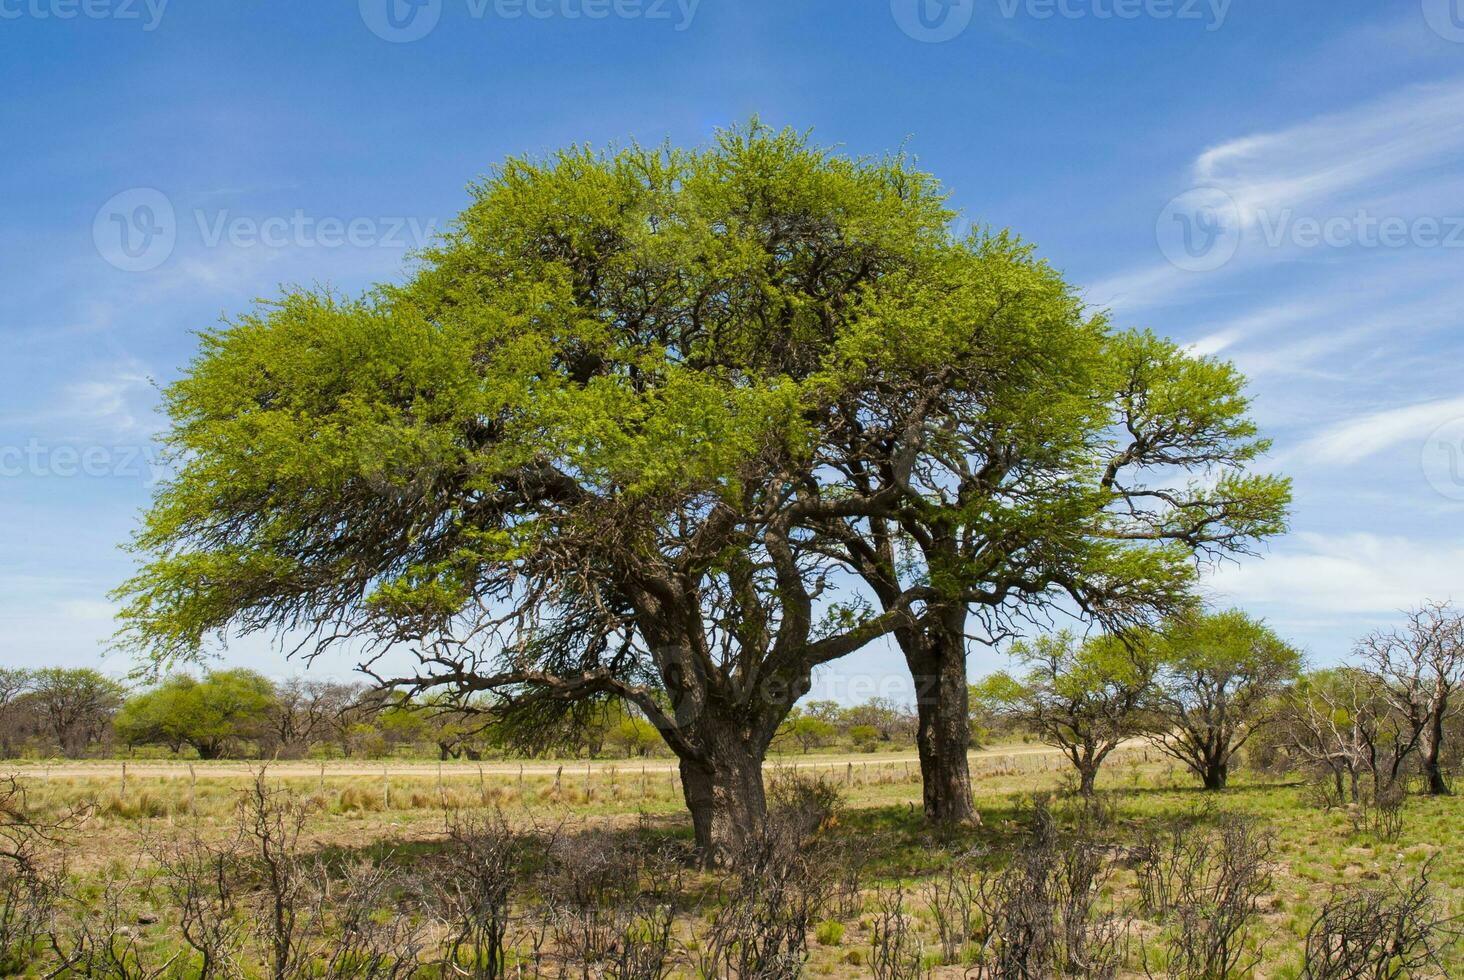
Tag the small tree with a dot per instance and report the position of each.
(1220, 675)
(210, 715)
(15, 682)
(1085, 698)
(76, 705)
(1337, 722)
(807, 730)
(1420, 668)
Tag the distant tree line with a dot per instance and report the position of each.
(239, 713)
(1202, 688)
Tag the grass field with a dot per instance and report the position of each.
(883, 867)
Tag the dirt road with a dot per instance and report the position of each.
(152, 768)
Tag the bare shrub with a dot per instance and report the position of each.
(32, 873)
(366, 934)
(951, 898)
(593, 878)
(473, 889)
(1378, 933)
(1208, 886)
(643, 949)
(803, 805)
(896, 950)
(1040, 917)
(271, 822)
(760, 929)
(102, 941)
(848, 886)
(1379, 813)
(201, 881)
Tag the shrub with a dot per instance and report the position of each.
(1381, 933)
(830, 932)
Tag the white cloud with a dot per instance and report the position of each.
(1338, 155)
(1377, 158)
(1351, 574)
(111, 404)
(1358, 438)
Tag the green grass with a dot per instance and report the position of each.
(881, 826)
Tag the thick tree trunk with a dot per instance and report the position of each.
(724, 792)
(1429, 751)
(937, 661)
(1217, 774)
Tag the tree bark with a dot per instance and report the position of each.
(1087, 780)
(937, 661)
(724, 792)
(1216, 775)
(1429, 751)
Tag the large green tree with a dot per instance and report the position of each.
(1221, 679)
(575, 457)
(627, 429)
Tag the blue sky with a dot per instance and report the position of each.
(1279, 183)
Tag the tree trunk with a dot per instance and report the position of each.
(1429, 751)
(1087, 779)
(724, 792)
(1217, 774)
(937, 661)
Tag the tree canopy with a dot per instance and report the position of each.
(1220, 679)
(626, 427)
(1085, 697)
(210, 714)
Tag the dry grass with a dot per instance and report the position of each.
(878, 843)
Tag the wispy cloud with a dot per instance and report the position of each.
(114, 403)
(1358, 438)
(1365, 575)
(1375, 158)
